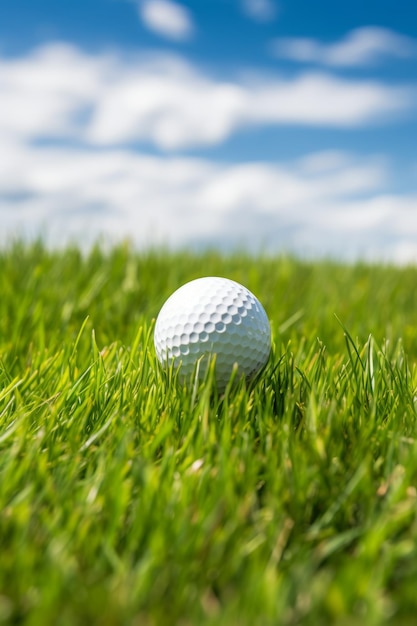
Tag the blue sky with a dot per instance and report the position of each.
(287, 126)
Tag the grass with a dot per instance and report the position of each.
(128, 499)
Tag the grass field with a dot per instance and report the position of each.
(126, 499)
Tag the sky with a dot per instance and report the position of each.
(264, 125)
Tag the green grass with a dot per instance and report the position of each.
(126, 499)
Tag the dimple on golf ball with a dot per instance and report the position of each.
(213, 316)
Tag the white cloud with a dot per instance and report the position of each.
(166, 18)
(362, 46)
(260, 10)
(59, 91)
(326, 203)
(87, 181)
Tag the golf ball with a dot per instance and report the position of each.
(210, 316)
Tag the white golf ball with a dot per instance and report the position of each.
(213, 316)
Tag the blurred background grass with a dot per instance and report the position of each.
(49, 294)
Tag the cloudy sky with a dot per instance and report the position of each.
(266, 124)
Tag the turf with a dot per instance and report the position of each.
(126, 499)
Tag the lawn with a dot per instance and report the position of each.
(127, 499)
